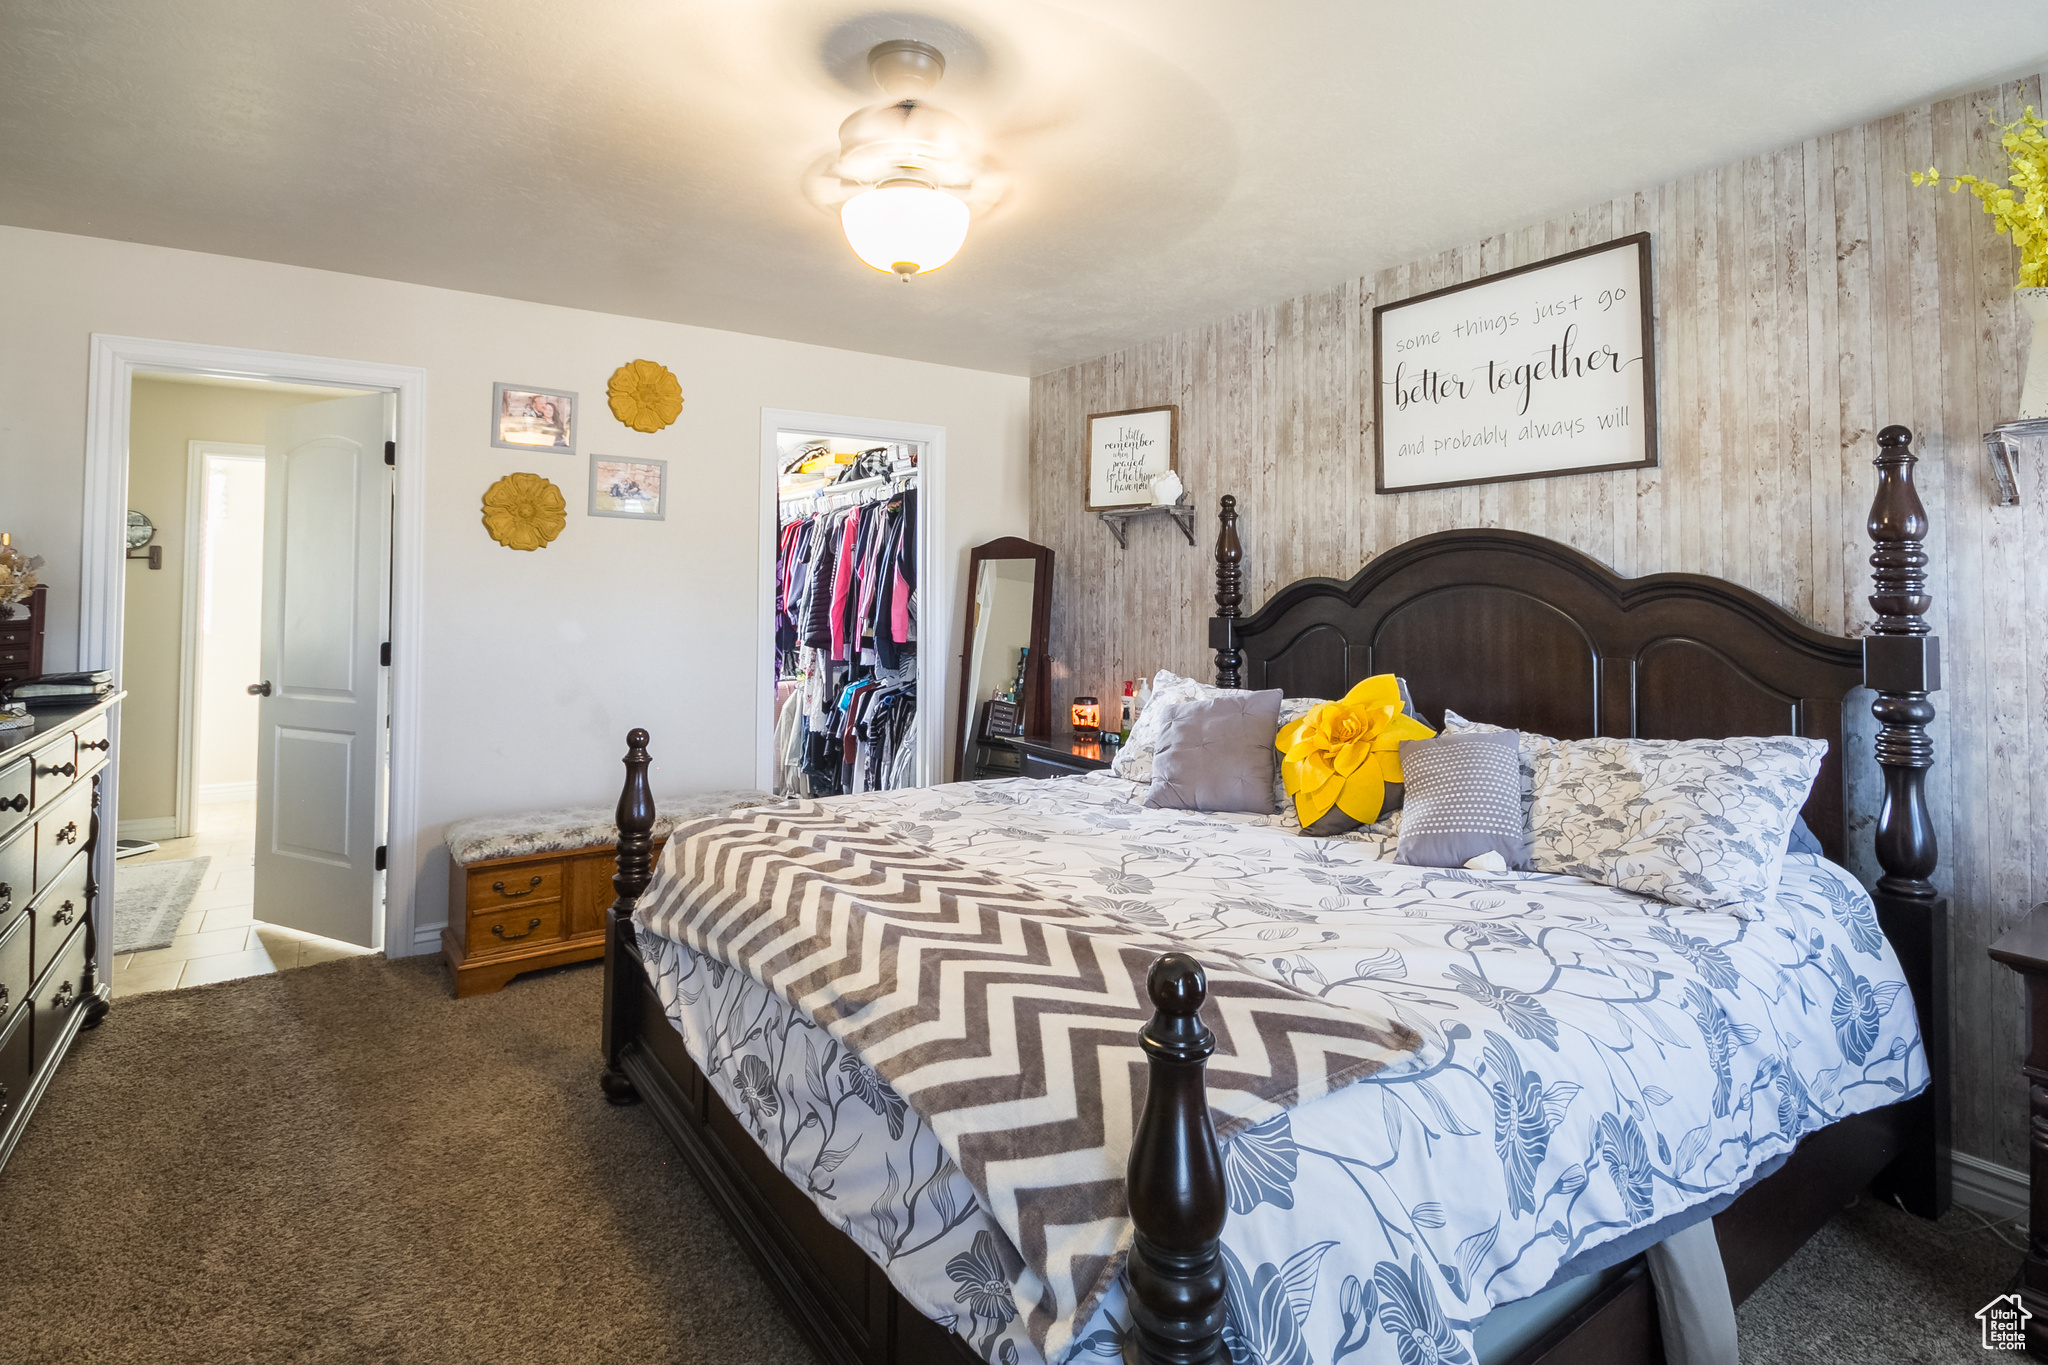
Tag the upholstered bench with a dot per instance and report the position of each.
(529, 890)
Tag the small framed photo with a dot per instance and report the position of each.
(1126, 451)
(532, 419)
(628, 488)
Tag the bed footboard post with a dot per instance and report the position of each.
(1229, 594)
(1902, 664)
(1176, 1181)
(623, 979)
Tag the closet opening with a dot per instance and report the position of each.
(848, 705)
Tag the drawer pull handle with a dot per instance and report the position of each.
(65, 998)
(20, 802)
(499, 930)
(58, 770)
(63, 914)
(3, 1015)
(67, 835)
(6, 896)
(100, 744)
(499, 887)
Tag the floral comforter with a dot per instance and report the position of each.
(1592, 1061)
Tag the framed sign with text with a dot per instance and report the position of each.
(1545, 370)
(1126, 451)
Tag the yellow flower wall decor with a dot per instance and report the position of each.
(645, 395)
(1344, 753)
(524, 511)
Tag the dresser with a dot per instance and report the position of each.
(49, 827)
(21, 637)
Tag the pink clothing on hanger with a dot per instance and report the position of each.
(899, 609)
(842, 582)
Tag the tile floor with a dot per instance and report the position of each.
(220, 937)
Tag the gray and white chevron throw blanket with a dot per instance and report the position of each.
(1006, 1017)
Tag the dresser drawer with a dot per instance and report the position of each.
(15, 975)
(60, 908)
(17, 1064)
(504, 931)
(61, 991)
(16, 795)
(494, 888)
(56, 768)
(17, 872)
(93, 744)
(61, 830)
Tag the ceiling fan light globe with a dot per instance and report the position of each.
(892, 227)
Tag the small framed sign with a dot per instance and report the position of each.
(1545, 370)
(1126, 451)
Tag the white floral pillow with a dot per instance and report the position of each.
(1700, 823)
(1133, 762)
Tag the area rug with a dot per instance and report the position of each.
(150, 900)
(341, 1163)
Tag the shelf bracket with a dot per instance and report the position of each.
(1119, 520)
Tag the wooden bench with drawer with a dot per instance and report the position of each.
(528, 910)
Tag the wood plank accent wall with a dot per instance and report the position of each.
(1805, 298)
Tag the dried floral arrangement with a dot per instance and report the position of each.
(2020, 205)
(17, 572)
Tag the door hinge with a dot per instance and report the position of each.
(384, 654)
(391, 452)
(380, 857)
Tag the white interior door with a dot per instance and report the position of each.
(319, 798)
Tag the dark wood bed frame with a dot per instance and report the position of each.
(1506, 627)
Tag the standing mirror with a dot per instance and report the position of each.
(1005, 687)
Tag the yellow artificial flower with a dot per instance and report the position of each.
(2022, 216)
(524, 511)
(1344, 753)
(645, 395)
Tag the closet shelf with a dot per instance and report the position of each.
(1118, 521)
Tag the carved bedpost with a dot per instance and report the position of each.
(1229, 592)
(1176, 1181)
(1902, 664)
(623, 980)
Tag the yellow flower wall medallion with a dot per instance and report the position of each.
(645, 396)
(524, 511)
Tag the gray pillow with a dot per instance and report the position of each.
(1802, 839)
(1464, 799)
(1216, 753)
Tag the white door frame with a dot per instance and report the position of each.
(934, 596)
(196, 453)
(115, 361)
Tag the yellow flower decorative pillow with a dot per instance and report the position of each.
(1342, 756)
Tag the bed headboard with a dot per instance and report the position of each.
(1516, 630)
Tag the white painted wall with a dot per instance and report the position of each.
(537, 664)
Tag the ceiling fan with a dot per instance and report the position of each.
(909, 176)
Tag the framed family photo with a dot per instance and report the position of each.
(1126, 451)
(1544, 370)
(628, 488)
(533, 419)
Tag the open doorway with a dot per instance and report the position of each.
(260, 516)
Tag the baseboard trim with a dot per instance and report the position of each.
(158, 827)
(1990, 1188)
(216, 793)
(425, 939)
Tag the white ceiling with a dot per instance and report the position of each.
(1171, 160)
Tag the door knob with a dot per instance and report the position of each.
(261, 689)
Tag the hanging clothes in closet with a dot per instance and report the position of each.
(846, 636)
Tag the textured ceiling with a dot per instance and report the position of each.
(1170, 160)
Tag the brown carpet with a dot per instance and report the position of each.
(341, 1163)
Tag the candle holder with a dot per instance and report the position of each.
(1087, 717)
